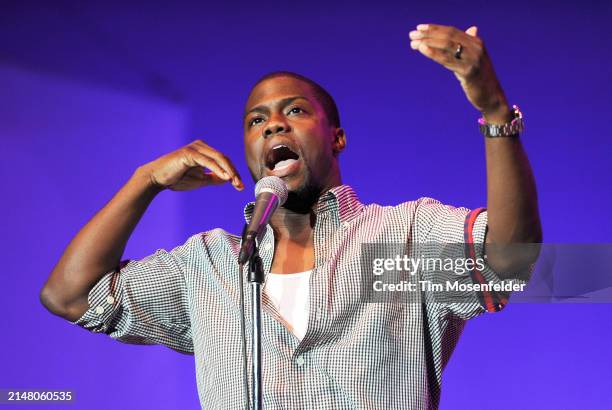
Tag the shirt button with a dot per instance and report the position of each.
(100, 310)
(299, 361)
(267, 246)
(110, 300)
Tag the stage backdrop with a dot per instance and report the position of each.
(67, 147)
(410, 131)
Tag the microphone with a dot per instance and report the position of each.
(270, 193)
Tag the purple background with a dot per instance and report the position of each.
(91, 91)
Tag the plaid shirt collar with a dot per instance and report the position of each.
(341, 202)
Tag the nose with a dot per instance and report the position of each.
(275, 126)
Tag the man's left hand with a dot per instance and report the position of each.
(466, 56)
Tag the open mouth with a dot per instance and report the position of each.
(280, 156)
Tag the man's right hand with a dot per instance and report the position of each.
(185, 169)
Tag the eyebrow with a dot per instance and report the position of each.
(284, 102)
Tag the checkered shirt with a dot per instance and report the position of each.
(355, 354)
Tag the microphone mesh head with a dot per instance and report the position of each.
(274, 185)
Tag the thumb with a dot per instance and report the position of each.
(472, 31)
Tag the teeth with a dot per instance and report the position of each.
(273, 160)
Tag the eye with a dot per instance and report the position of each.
(255, 121)
(295, 110)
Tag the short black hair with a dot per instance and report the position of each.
(324, 98)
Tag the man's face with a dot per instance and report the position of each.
(286, 133)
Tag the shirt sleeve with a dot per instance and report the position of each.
(458, 234)
(143, 302)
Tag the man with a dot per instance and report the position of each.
(330, 349)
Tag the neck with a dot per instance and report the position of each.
(293, 226)
(296, 223)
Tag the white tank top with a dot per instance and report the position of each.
(289, 293)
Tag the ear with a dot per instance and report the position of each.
(339, 141)
(472, 31)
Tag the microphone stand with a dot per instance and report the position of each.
(256, 280)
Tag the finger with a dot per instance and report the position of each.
(196, 158)
(212, 179)
(201, 177)
(223, 161)
(219, 159)
(229, 167)
(199, 174)
(237, 183)
(216, 155)
(191, 179)
(472, 31)
(438, 55)
(449, 47)
(197, 177)
(443, 44)
(440, 32)
(435, 29)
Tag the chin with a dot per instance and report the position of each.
(303, 195)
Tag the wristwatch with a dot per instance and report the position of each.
(509, 129)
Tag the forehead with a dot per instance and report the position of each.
(277, 88)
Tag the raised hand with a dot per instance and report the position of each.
(464, 53)
(184, 169)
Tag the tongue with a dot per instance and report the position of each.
(284, 163)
